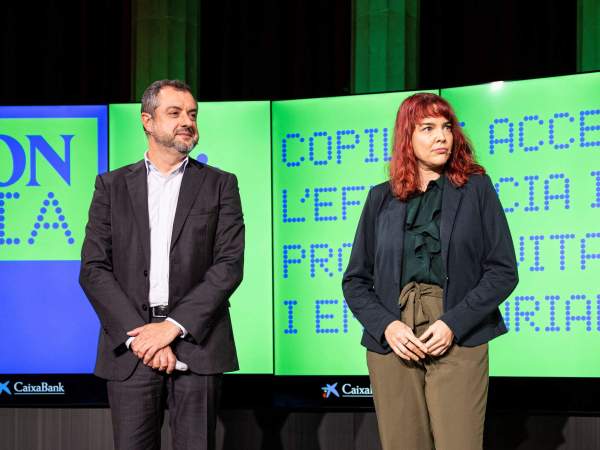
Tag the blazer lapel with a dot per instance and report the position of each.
(396, 216)
(137, 186)
(193, 177)
(451, 198)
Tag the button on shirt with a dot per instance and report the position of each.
(163, 192)
(422, 258)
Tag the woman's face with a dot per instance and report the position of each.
(432, 143)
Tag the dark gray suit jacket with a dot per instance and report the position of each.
(206, 266)
(477, 252)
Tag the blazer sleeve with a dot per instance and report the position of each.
(115, 311)
(198, 308)
(358, 280)
(499, 277)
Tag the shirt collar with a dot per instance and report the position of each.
(150, 167)
(439, 183)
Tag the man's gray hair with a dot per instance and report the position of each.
(150, 96)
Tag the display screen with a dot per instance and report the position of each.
(327, 153)
(540, 142)
(49, 158)
(304, 169)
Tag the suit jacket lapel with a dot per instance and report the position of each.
(137, 186)
(451, 198)
(193, 177)
(396, 216)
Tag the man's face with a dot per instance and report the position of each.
(173, 124)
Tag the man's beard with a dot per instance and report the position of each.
(170, 142)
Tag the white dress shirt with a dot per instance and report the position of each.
(163, 194)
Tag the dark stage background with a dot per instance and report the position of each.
(88, 52)
(84, 53)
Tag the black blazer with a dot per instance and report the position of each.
(206, 263)
(477, 252)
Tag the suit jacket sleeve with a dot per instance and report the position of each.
(358, 281)
(499, 268)
(201, 305)
(116, 312)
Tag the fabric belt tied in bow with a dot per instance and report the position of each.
(420, 304)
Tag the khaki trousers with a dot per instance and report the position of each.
(436, 403)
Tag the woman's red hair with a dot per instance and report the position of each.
(404, 174)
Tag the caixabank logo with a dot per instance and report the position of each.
(49, 158)
(4, 389)
(348, 390)
(8, 389)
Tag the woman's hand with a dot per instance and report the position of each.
(438, 338)
(403, 341)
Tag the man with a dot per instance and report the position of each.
(163, 253)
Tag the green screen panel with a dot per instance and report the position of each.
(540, 142)
(234, 136)
(47, 186)
(326, 155)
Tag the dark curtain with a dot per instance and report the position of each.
(56, 52)
(588, 35)
(386, 45)
(470, 42)
(68, 52)
(164, 42)
(273, 49)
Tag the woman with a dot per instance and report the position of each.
(431, 261)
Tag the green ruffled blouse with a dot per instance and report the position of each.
(421, 256)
